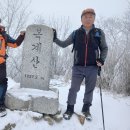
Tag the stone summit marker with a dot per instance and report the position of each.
(34, 93)
(37, 54)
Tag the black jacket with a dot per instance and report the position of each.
(87, 47)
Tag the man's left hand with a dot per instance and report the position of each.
(2, 28)
(22, 33)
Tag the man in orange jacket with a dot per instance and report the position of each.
(6, 41)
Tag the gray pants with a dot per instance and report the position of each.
(78, 74)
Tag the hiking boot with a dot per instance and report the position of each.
(87, 115)
(86, 111)
(69, 112)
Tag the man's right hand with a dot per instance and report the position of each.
(55, 34)
(2, 28)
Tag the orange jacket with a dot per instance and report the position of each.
(6, 40)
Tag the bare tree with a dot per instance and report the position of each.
(63, 58)
(116, 72)
(124, 63)
(113, 30)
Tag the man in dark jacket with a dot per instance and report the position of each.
(6, 41)
(90, 51)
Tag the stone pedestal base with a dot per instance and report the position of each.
(33, 100)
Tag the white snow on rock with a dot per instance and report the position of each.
(32, 99)
(27, 93)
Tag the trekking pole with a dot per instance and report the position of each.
(99, 74)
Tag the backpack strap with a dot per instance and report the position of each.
(4, 35)
(97, 34)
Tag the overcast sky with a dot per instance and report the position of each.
(73, 8)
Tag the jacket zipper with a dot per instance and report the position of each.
(86, 50)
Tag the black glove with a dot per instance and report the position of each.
(22, 33)
(2, 28)
(55, 34)
(100, 61)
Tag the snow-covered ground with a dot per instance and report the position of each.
(116, 109)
